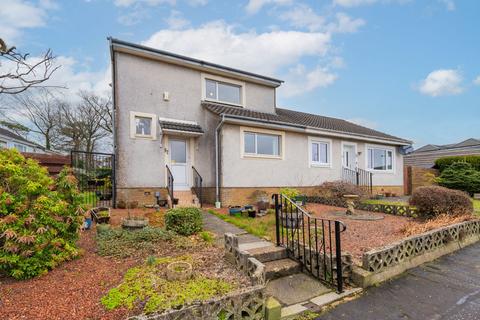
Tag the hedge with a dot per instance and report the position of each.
(443, 163)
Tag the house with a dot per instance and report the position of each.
(191, 120)
(9, 139)
(425, 156)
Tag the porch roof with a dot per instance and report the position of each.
(173, 125)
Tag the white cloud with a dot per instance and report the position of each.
(353, 3)
(253, 6)
(176, 20)
(442, 82)
(477, 81)
(246, 50)
(128, 3)
(133, 17)
(449, 4)
(19, 14)
(197, 3)
(302, 16)
(300, 80)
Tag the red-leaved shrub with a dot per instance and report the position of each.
(435, 200)
(337, 189)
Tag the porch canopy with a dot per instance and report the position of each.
(180, 127)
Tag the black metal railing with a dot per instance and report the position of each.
(197, 185)
(170, 183)
(359, 177)
(314, 242)
(95, 173)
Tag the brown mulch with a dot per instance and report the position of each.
(155, 218)
(362, 236)
(71, 291)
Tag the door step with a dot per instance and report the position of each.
(281, 268)
(186, 199)
(270, 253)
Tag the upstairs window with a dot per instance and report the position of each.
(223, 92)
(380, 159)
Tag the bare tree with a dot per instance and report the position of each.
(102, 106)
(24, 72)
(42, 109)
(85, 124)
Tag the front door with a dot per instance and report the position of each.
(349, 156)
(178, 162)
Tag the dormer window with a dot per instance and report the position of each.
(223, 90)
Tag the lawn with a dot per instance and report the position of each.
(476, 206)
(262, 227)
(385, 202)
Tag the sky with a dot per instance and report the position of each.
(410, 68)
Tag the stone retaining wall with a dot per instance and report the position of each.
(396, 253)
(245, 304)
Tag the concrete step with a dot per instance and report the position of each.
(281, 268)
(186, 199)
(270, 253)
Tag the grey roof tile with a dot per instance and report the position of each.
(170, 125)
(301, 119)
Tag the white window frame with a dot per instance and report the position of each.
(3, 144)
(241, 84)
(318, 164)
(243, 154)
(386, 148)
(133, 126)
(24, 147)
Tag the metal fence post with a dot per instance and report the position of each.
(277, 220)
(338, 254)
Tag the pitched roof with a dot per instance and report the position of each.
(303, 120)
(463, 144)
(13, 135)
(180, 126)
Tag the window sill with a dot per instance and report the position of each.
(223, 102)
(259, 156)
(320, 165)
(144, 137)
(381, 171)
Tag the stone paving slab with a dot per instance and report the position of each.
(295, 288)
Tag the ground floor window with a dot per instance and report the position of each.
(142, 125)
(20, 147)
(380, 159)
(320, 152)
(262, 144)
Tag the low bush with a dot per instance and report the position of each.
(184, 221)
(460, 176)
(435, 200)
(445, 162)
(122, 243)
(290, 192)
(337, 189)
(38, 219)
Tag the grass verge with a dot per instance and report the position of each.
(262, 227)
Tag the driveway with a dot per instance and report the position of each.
(446, 289)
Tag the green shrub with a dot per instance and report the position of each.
(435, 200)
(207, 236)
(443, 163)
(290, 193)
(123, 243)
(460, 176)
(184, 221)
(38, 219)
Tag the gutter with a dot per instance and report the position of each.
(217, 161)
(114, 116)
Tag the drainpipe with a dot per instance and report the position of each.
(217, 162)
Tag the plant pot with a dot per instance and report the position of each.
(262, 205)
(248, 207)
(235, 210)
(252, 213)
(179, 270)
(175, 201)
(100, 214)
(134, 223)
(299, 200)
(162, 203)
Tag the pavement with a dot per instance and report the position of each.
(446, 289)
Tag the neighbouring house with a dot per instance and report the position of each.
(9, 139)
(425, 156)
(191, 120)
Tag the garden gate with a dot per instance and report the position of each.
(313, 242)
(95, 172)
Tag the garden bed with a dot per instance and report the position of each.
(75, 288)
